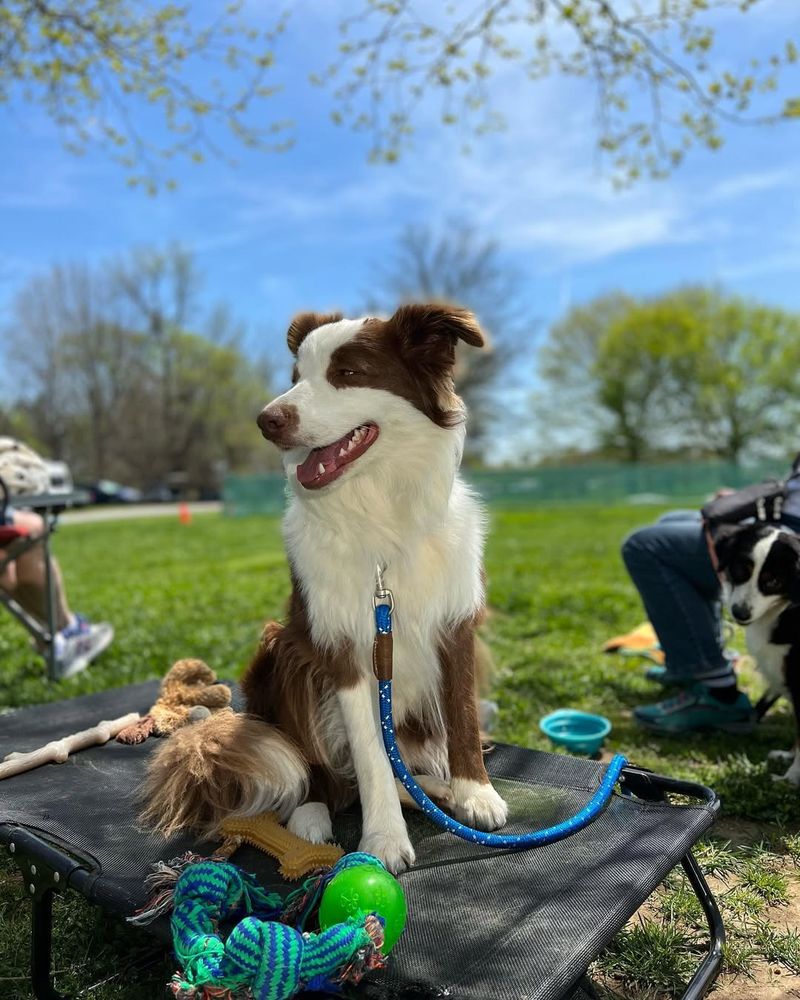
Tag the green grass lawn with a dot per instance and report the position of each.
(557, 591)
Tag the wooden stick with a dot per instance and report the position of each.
(57, 751)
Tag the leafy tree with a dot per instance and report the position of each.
(112, 379)
(393, 54)
(690, 369)
(107, 71)
(646, 362)
(87, 63)
(566, 406)
(741, 379)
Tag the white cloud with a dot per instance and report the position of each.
(757, 266)
(749, 183)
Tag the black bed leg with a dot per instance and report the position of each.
(710, 966)
(42, 947)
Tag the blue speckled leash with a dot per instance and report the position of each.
(383, 604)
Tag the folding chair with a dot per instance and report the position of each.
(483, 924)
(14, 542)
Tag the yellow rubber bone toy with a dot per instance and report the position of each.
(296, 857)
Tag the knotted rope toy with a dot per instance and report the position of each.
(261, 958)
(189, 692)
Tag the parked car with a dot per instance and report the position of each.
(107, 491)
(158, 494)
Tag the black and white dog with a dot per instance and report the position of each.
(761, 587)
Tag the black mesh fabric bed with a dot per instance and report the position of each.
(483, 924)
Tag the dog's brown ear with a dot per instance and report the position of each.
(305, 323)
(432, 331)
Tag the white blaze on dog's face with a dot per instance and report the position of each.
(366, 391)
(761, 567)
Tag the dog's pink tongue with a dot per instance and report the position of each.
(309, 470)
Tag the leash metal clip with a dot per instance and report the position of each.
(382, 595)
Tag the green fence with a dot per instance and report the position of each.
(686, 482)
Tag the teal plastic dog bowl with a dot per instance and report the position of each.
(579, 732)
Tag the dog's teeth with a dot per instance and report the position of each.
(342, 452)
(321, 469)
(350, 444)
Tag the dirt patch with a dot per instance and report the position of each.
(766, 984)
(743, 832)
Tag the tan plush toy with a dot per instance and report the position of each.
(189, 692)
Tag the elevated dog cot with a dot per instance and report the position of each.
(483, 924)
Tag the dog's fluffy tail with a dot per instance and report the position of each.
(228, 764)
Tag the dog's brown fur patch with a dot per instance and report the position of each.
(288, 682)
(305, 323)
(410, 355)
(457, 655)
(217, 768)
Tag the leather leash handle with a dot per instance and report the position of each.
(382, 656)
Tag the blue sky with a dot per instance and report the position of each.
(308, 228)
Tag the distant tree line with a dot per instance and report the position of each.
(692, 372)
(117, 373)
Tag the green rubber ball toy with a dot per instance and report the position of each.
(365, 889)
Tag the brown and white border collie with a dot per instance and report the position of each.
(371, 435)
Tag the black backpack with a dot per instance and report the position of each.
(761, 501)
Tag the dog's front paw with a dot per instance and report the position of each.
(393, 849)
(478, 805)
(312, 822)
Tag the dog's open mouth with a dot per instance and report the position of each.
(323, 465)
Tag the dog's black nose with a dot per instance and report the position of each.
(278, 423)
(741, 612)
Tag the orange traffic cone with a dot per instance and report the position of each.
(184, 514)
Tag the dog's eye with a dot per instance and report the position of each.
(739, 571)
(770, 584)
(348, 372)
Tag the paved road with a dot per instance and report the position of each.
(124, 512)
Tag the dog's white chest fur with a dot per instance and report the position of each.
(768, 656)
(433, 570)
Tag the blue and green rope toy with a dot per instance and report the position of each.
(263, 957)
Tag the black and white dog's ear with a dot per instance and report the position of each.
(723, 538)
(794, 587)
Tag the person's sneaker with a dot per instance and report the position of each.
(695, 709)
(78, 644)
(664, 677)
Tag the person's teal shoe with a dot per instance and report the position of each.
(666, 678)
(694, 710)
(663, 677)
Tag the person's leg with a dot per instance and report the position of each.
(77, 641)
(31, 573)
(671, 567)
